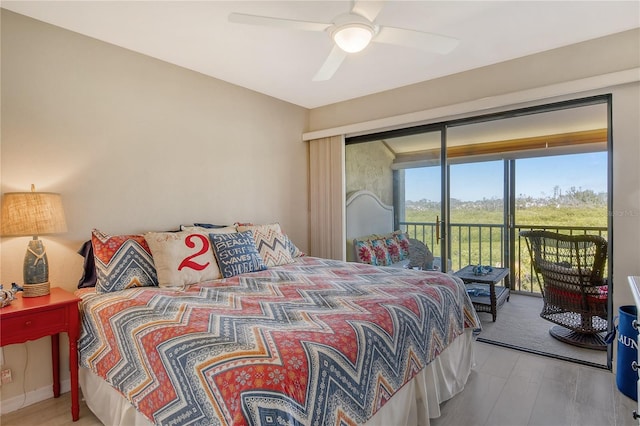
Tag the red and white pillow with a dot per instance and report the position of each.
(402, 239)
(122, 262)
(182, 258)
(382, 250)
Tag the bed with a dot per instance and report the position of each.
(303, 340)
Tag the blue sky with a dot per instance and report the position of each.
(535, 177)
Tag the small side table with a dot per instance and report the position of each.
(32, 318)
(483, 291)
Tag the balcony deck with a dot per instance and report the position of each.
(518, 322)
(519, 325)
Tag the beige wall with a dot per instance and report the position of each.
(368, 166)
(134, 144)
(626, 190)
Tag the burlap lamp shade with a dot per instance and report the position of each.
(33, 214)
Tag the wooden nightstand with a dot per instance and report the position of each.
(32, 318)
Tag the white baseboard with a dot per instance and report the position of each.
(21, 401)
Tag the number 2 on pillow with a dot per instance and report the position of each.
(187, 262)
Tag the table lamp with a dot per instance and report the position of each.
(33, 213)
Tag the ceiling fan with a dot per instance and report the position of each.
(352, 32)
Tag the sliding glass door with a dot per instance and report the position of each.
(543, 168)
(563, 193)
(418, 170)
(465, 186)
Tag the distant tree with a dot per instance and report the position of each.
(581, 197)
(573, 197)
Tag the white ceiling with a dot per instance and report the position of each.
(282, 62)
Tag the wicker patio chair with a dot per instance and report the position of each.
(569, 270)
(420, 257)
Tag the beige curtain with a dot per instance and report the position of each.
(326, 198)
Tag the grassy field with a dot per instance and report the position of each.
(474, 241)
(545, 215)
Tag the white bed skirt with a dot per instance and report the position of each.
(417, 401)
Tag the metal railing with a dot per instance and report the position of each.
(484, 244)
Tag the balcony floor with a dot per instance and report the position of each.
(519, 325)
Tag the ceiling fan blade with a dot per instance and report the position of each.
(368, 9)
(429, 42)
(331, 64)
(243, 18)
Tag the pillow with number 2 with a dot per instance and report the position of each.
(182, 258)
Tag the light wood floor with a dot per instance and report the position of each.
(509, 387)
(506, 387)
(50, 412)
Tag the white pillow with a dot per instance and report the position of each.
(182, 258)
(207, 231)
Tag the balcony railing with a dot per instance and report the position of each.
(484, 244)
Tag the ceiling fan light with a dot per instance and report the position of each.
(352, 38)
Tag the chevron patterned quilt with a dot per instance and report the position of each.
(315, 342)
